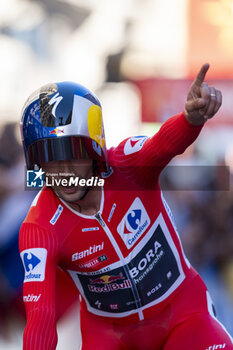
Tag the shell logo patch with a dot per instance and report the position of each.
(94, 124)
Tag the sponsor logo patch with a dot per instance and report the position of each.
(91, 250)
(134, 144)
(91, 263)
(111, 212)
(31, 298)
(90, 229)
(108, 283)
(34, 262)
(106, 279)
(147, 263)
(56, 215)
(55, 100)
(215, 347)
(56, 131)
(134, 223)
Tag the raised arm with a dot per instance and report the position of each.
(38, 250)
(148, 156)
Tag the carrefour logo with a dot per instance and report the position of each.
(134, 223)
(30, 261)
(134, 219)
(34, 262)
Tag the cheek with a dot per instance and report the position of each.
(90, 172)
(86, 172)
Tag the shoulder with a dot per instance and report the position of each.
(43, 207)
(126, 149)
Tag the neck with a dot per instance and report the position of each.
(89, 204)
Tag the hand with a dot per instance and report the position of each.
(203, 101)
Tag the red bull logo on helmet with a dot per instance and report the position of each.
(56, 131)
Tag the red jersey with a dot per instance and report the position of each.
(127, 260)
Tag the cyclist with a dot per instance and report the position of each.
(119, 244)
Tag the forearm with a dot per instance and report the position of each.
(39, 289)
(40, 332)
(174, 136)
(145, 165)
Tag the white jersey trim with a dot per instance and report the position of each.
(169, 212)
(210, 309)
(35, 200)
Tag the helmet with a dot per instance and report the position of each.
(63, 121)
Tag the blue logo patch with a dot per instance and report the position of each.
(34, 262)
(134, 223)
(56, 215)
(30, 261)
(134, 218)
(35, 178)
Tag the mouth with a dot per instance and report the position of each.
(68, 190)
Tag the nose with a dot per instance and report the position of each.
(66, 168)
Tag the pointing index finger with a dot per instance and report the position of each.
(201, 75)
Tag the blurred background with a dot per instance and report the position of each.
(140, 57)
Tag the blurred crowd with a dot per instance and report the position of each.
(14, 203)
(201, 199)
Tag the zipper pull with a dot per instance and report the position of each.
(100, 220)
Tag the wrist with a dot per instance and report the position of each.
(198, 121)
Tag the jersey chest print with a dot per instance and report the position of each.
(149, 274)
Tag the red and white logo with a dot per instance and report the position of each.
(31, 298)
(134, 223)
(215, 347)
(134, 144)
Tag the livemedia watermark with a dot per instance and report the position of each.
(37, 179)
(138, 178)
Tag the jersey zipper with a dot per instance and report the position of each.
(126, 269)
